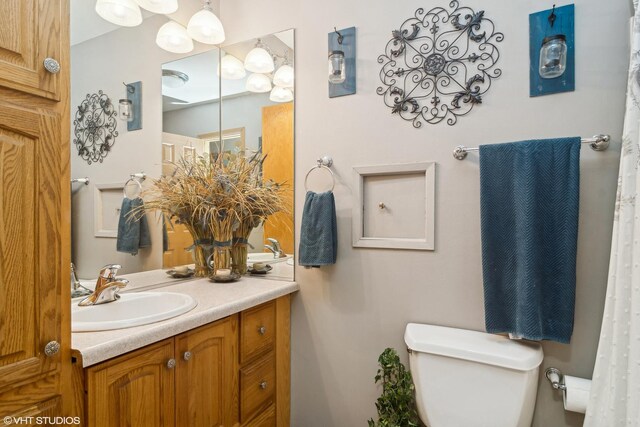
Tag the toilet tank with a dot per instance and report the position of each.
(472, 379)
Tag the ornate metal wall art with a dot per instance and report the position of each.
(439, 64)
(95, 127)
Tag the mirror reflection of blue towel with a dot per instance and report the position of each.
(529, 195)
(133, 232)
(319, 231)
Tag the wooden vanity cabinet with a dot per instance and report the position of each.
(229, 373)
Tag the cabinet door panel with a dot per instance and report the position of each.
(29, 33)
(30, 243)
(133, 390)
(206, 383)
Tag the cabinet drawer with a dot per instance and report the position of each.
(257, 387)
(257, 331)
(266, 418)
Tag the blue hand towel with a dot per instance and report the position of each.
(318, 232)
(529, 195)
(133, 231)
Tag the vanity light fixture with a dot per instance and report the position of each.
(258, 83)
(284, 76)
(174, 79)
(205, 27)
(159, 6)
(231, 68)
(259, 59)
(173, 37)
(120, 12)
(281, 94)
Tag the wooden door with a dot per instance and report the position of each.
(277, 145)
(207, 378)
(30, 31)
(178, 240)
(134, 390)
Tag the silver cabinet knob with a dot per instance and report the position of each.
(171, 363)
(263, 385)
(52, 348)
(187, 355)
(52, 66)
(262, 330)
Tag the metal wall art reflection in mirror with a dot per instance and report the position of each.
(439, 64)
(95, 125)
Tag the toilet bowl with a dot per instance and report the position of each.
(472, 379)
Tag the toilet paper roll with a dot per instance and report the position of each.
(576, 395)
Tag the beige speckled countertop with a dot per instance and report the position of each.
(215, 301)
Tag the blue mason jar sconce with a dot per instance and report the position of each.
(553, 56)
(337, 68)
(130, 109)
(342, 62)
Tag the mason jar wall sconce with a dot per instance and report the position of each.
(342, 62)
(130, 108)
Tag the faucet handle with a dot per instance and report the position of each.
(109, 271)
(276, 244)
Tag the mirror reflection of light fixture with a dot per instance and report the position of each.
(281, 94)
(174, 79)
(125, 110)
(120, 12)
(159, 6)
(258, 83)
(284, 76)
(205, 27)
(231, 68)
(173, 37)
(259, 59)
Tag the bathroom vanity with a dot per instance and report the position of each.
(224, 363)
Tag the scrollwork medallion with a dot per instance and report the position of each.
(95, 127)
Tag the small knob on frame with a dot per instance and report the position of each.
(52, 66)
(186, 356)
(171, 363)
(381, 205)
(262, 330)
(52, 348)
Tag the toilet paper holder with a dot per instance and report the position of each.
(555, 378)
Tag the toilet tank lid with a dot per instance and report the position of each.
(475, 346)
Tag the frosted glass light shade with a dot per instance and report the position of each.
(120, 12)
(231, 68)
(173, 37)
(159, 6)
(281, 94)
(205, 27)
(284, 76)
(258, 60)
(258, 83)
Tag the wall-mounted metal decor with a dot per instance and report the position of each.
(439, 64)
(95, 127)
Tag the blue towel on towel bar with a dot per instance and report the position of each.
(318, 232)
(529, 195)
(133, 231)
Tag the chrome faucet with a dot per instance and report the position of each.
(77, 290)
(275, 248)
(107, 286)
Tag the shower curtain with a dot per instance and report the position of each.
(615, 390)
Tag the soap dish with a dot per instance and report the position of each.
(267, 268)
(233, 277)
(181, 274)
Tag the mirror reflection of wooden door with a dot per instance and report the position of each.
(277, 145)
(178, 240)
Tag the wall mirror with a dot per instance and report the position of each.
(193, 105)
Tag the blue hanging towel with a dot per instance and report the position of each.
(133, 232)
(318, 232)
(529, 194)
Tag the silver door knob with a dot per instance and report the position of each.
(187, 355)
(52, 348)
(263, 385)
(52, 66)
(262, 330)
(171, 363)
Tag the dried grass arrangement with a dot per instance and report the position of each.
(219, 199)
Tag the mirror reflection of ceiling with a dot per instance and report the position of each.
(202, 85)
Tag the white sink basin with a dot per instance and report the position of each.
(132, 309)
(266, 257)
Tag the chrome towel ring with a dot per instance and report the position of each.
(325, 162)
(136, 178)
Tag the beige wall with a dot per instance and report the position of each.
(345, 315)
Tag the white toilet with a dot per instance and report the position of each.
(472, 379)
